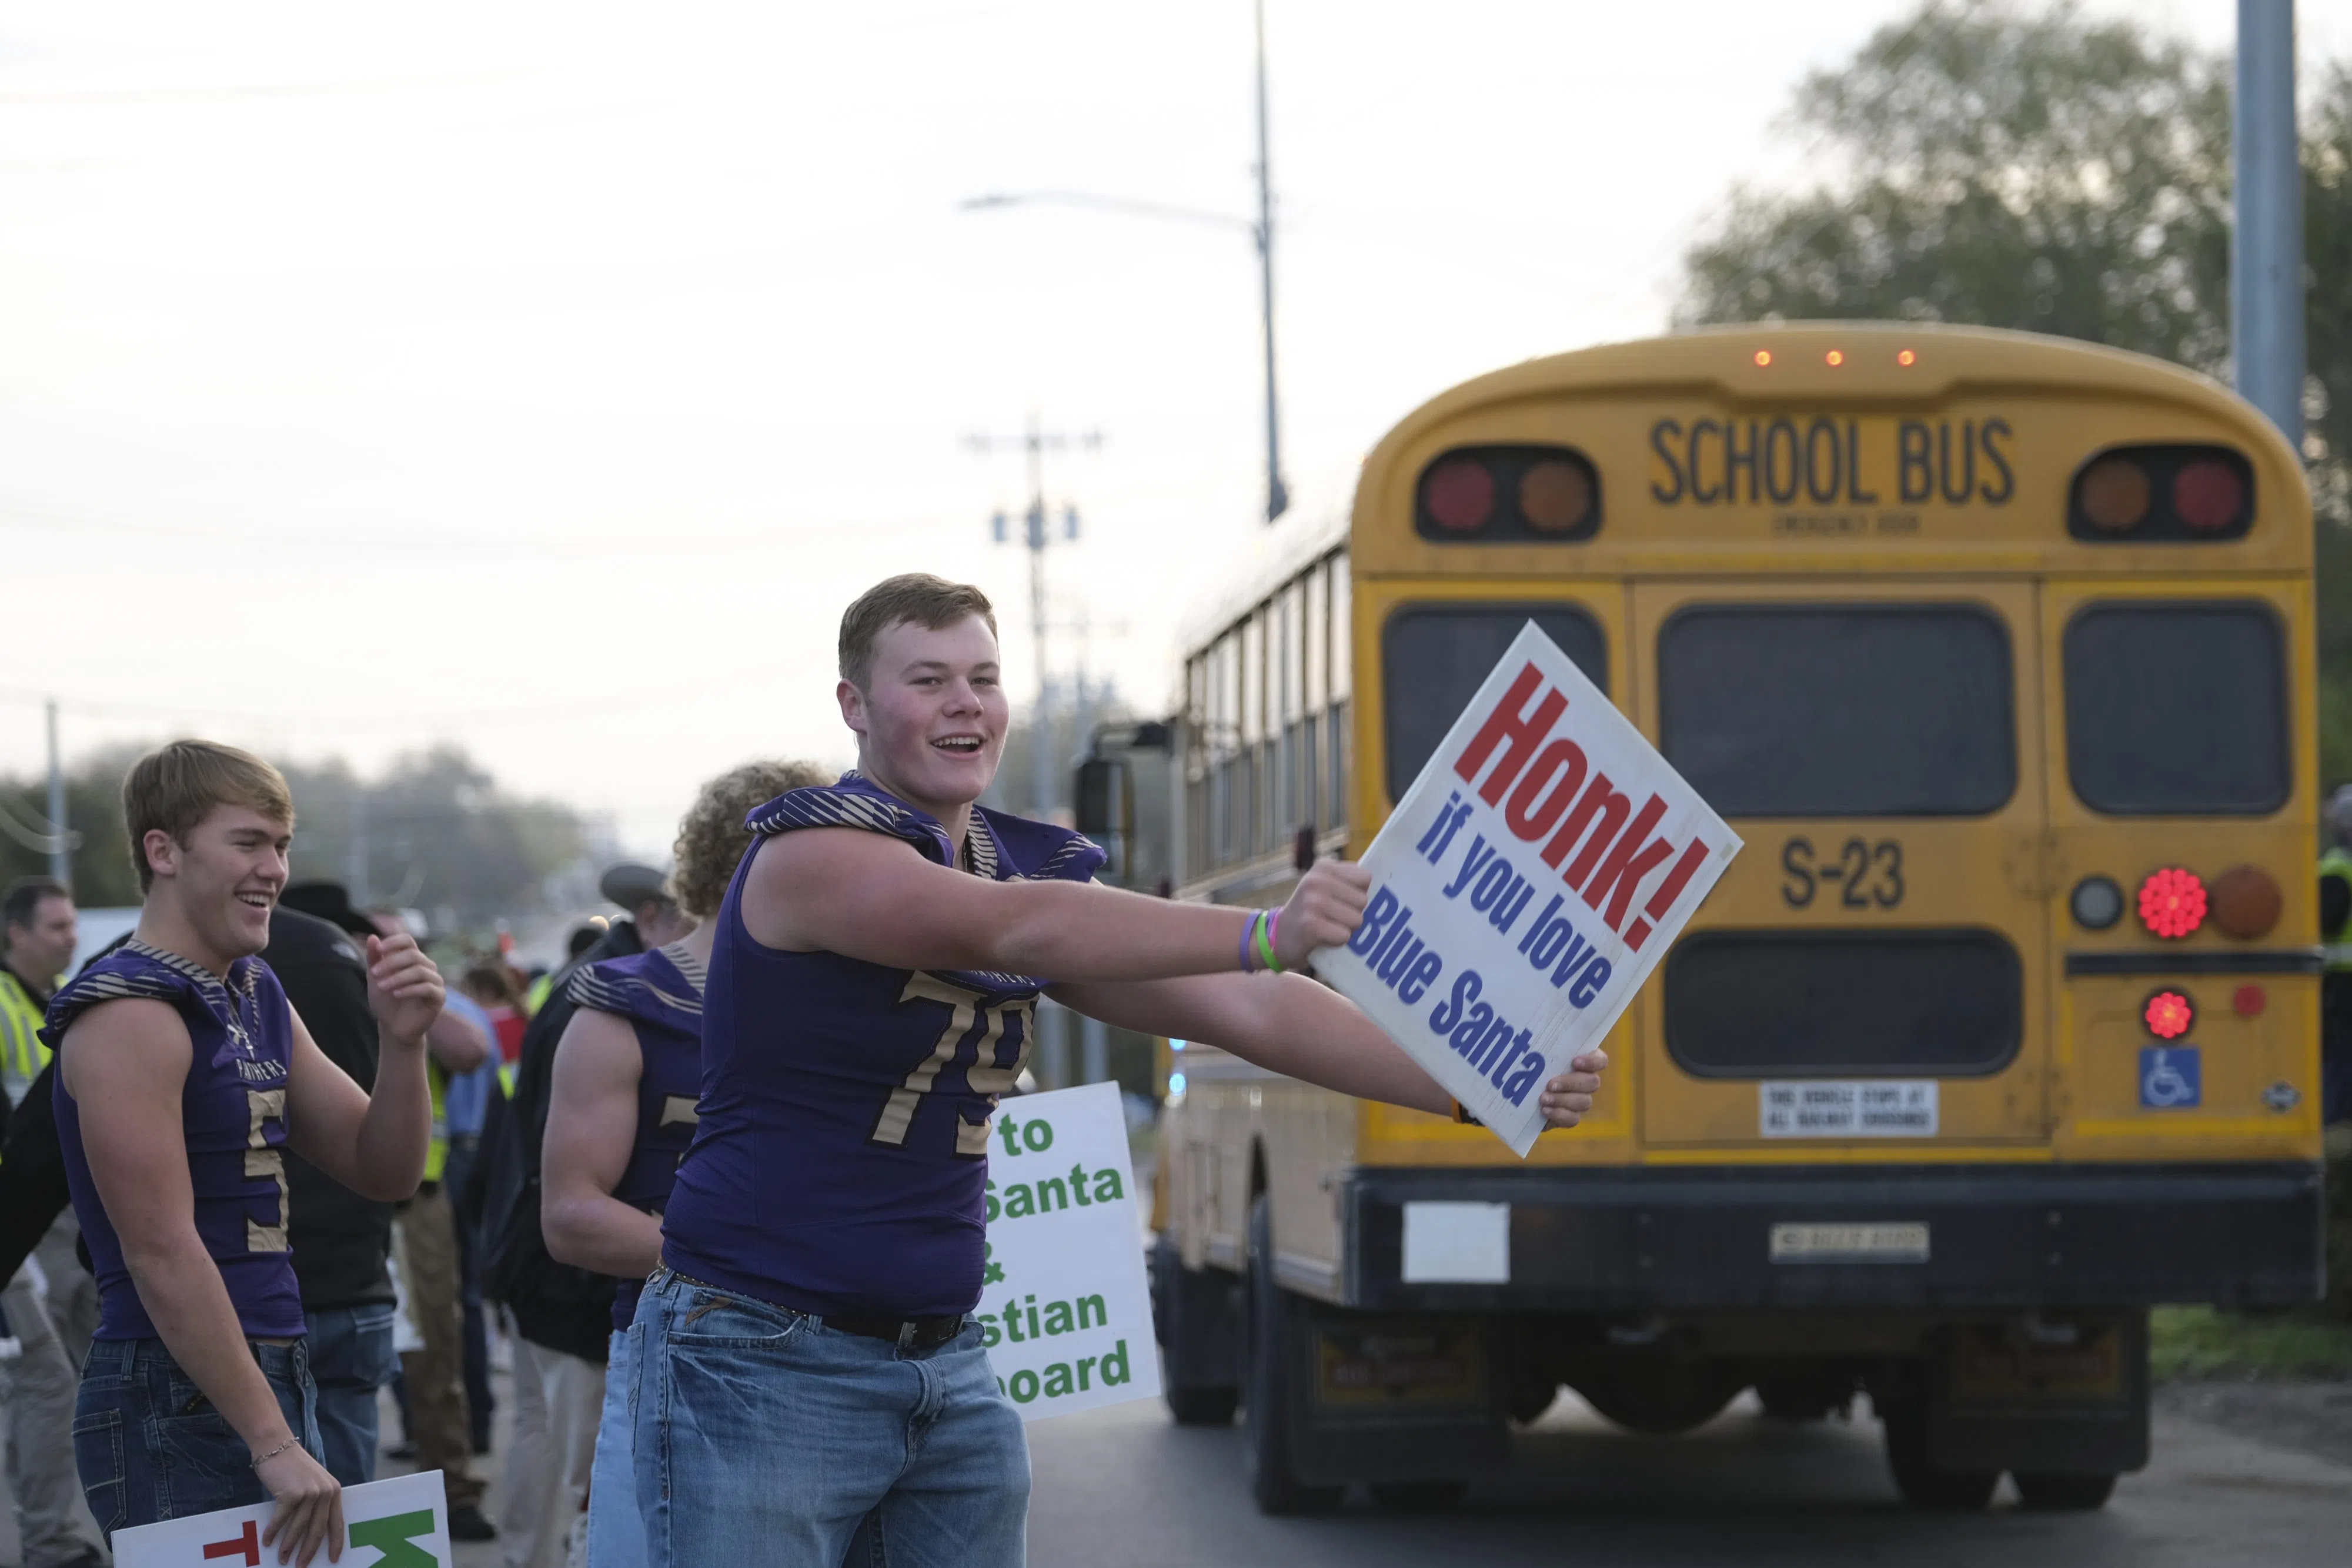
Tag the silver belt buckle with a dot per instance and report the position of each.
(906, 1333)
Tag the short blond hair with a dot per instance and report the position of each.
(711, 838)
(178, 786)
(930, 602)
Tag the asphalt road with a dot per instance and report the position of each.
(1125, 1488)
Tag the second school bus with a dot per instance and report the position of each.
(1997, 651)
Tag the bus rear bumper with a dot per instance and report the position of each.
(1945, 1237)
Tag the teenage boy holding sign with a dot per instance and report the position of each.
(808, 1376)
(181, 1075)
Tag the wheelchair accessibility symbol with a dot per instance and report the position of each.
(2171, 1077)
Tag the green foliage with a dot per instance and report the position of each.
(438, 831)
(2035, 173)
(2204, 1342)
(2056, 174)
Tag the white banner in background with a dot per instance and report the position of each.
(400, 1524)
(1525, 887)
(1065, 1306)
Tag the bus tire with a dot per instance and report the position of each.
(1654, 1393)
(1273, 1316)
(2055, 1493)
(1186, 1304)
(1924, 1486)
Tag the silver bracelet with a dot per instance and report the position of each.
(264, 1458)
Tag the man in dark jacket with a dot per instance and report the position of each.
(339, 1240)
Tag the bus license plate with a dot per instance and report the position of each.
(1847, 1108)
(1902, 1242)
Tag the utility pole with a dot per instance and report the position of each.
(2266, 233)
(61, 835)
(1277, 496)
(1036, 441)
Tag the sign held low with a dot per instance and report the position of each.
(1525, 887)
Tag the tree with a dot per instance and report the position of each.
(435, 831)
(2053, 174)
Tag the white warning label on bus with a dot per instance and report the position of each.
(1841, 1108)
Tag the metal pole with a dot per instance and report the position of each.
(2267, 237)
(1041, 723)
(1277, 497)
(61, 837)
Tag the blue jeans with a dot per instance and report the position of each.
(616, 1535)
(350, 1358)
(765, 1439)
(149, 1445)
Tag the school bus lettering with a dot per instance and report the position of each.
(1826, 462)
(1865, 874)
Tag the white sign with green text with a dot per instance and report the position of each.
(403, 1522)
(1064, 1309)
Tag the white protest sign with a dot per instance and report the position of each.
(1525, 887)
(1065, 1307)
(400, 1524)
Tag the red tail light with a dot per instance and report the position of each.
(2207, 495)
(1460, 494)
(2168, 1015)
(2171, 902)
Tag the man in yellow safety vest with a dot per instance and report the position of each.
(51, 1303)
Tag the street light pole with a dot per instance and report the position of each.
(1261, 233)
(1277, 497)
(2266, 230)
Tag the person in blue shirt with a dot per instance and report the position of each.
(809, 1384)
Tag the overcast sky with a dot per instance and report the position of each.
(374, 375)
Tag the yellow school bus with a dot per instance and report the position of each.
(1997, 651)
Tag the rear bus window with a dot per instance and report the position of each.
(1880, 710)
(1795, 1004)
(1432, 657)
(2177, 709)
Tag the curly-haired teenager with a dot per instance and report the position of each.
(628, 1071)
(809, 1381)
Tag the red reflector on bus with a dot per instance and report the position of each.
(1460, 494)
(2249, 1000)
(2171, 902)
(2168, 1015)
(2207, 496)
(2115, 495)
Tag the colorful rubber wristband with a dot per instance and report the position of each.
(1263, 924)
(1249, 928)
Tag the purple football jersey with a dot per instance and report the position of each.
(231, 1115)
(842, 1155)
(660, 995)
